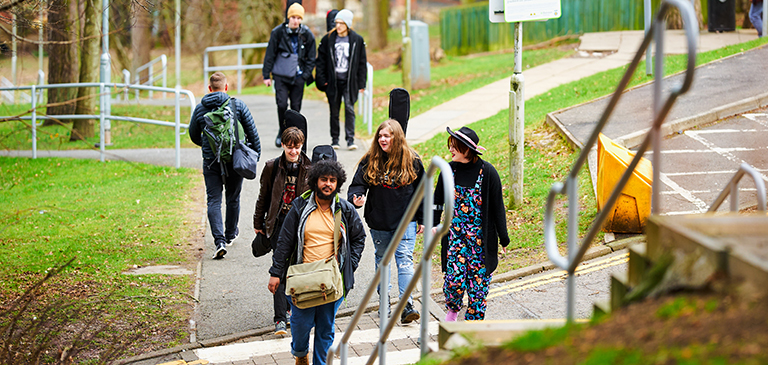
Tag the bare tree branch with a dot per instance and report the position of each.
(11, 5)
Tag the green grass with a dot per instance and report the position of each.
(110, 217)
(16, 135)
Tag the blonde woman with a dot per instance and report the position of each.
(386, 178)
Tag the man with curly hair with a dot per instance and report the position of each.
(307, 236)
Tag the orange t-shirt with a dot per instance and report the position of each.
(318, 235)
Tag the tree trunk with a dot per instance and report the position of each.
(258, 18)
(675, 21)
(63, 67)
(141, 37)
(89, 71)
(379, 24)
(120, 21)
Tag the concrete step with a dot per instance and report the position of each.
(638, 263)
(619, 289)
(493, 333)
(601, 308)
(402, 347)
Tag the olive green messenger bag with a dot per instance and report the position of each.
(316, 283)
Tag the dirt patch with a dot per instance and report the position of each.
(690, 328)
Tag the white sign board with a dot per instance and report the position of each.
(511, 11)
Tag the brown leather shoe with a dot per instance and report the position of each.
(304, 360)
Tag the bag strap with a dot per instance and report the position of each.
(336, 231)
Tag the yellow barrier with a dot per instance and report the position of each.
(634, 204)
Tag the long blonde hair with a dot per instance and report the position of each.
(394, 168)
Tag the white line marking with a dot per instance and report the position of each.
(701, 205)
(721, 151)
(718, 131)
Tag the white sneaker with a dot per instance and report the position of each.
(352, 147)
(336, 146)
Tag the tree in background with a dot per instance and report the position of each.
(89, 71)
(378, 13)
(141, 35)
(258, 17)
(62, 33)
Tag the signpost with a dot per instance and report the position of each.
(518, 11)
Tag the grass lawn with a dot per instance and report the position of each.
(107, 217)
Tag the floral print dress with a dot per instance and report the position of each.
(465, 272)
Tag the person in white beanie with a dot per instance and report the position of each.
(341, 74)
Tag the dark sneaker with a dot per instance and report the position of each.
(280, 328)
(409, 314)
(278, 143)
(220, 252)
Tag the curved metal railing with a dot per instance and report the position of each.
(732, 189)
(104, 115)
(661, 109)
(423, 268)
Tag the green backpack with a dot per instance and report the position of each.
(219, 128)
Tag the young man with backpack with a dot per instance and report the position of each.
(212, 127)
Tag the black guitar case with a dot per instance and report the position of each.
(295, 119)
(400, 106)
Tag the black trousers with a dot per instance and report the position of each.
(287, 89)
(349, 113)
(280, 303)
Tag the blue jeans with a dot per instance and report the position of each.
(323, 319)
(403, 254)
(756, 17)
(214, 185)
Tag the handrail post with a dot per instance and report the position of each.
(572, 189)
(127, 81)
(101, 122)
(656, 130)
(426, 261)
(205, 67)
(151, 78)
(177, 128)
(41, 82)
(164, 63)
(34, 123)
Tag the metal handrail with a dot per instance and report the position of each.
(732, 188)
(104, 111)
(366, 99)
(570, 187)
(239, 67)
(151, 78)
(423, 268)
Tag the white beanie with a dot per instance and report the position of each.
(346, 16)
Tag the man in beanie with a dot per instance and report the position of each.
(341, 73)
(288, 63)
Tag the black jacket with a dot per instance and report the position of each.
(279, 42)
(385, 206)
(271, 192)
(357, 75)
(212, 101)
(290, 246)
(494, 213)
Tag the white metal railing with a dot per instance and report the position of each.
(104, 115)
(366, 100)
(239, 67)
(40, 81)
(661, 109)
(423, 192)
(151, 78)
(732, 188)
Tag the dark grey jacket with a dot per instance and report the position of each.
(290, 244)
(212, 101)
(279, 42)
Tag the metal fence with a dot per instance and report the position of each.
(104, 115)
(366, 100)
(239, 67)
(466, 29)
(151, 78)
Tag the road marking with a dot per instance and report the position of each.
(718, 150)
(700, 204)
(557, 276)
(718, 131)
(707, 191)
(721, 151)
